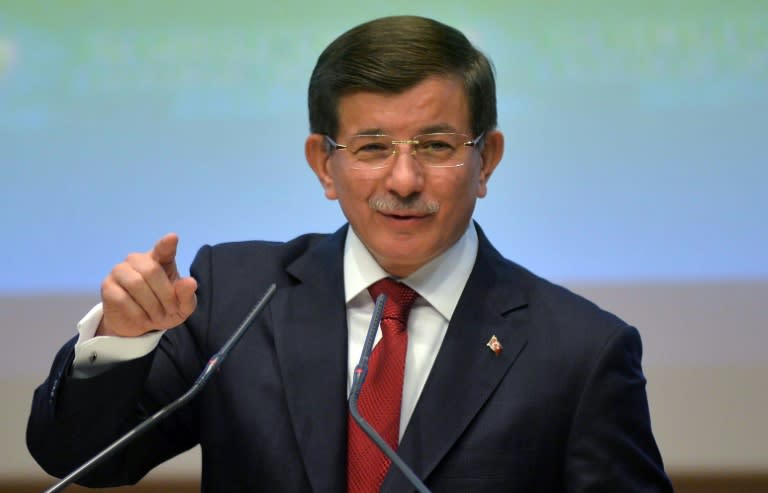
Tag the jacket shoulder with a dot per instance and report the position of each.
(561, 312)
(267, 250)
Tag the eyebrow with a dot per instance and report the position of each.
(371, 131)
(432, 129)
(439, 128)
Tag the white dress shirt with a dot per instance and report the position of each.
(439, 283)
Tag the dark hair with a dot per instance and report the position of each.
(393, 54)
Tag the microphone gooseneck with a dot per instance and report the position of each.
(361, 371)
(213, 364)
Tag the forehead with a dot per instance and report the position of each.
(435, 104)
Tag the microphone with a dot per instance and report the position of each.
(213, 364)
(361, 371)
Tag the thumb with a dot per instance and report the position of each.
(164, 251)
(185, 293)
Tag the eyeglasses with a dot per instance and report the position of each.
(436, 150)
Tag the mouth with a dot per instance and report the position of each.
(404, 216)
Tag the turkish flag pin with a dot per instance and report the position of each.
(495, 345)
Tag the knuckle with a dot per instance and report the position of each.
(132, 280)
(145, 265)
(107, 285)
(158, 313)
(153, 269)
(133, 257)
(138, 314)
(169, 304)
(111, 292)
(120, 272)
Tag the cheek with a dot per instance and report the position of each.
(338, 184)
(352, 192)
(458, 189)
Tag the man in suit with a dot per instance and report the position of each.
(506, 383)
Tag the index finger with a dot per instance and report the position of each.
(164, 251)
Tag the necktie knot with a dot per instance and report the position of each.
(400, 299)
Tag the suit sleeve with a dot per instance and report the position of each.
(72, 419)
(611, 447)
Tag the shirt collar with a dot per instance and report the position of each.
(440, 281)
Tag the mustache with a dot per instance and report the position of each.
(413, 203)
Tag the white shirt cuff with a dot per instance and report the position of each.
(94, 355)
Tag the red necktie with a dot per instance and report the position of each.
(382, 391)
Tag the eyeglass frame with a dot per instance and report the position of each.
(474, 143)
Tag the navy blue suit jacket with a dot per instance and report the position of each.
(562, 408)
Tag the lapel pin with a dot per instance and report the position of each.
(494, 345)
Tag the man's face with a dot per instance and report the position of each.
(405, 213)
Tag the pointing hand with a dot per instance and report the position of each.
(145, 292)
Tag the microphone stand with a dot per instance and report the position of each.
(213, 364)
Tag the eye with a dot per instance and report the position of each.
(372, 147)
(435, 146)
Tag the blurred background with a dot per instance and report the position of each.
(635, 173)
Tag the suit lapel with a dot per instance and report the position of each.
(466, 371)
(311, 340)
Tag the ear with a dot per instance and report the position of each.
(319, 159)
(493, 150)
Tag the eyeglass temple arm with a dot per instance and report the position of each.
(334, 145)
(473, 142)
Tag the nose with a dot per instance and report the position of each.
(405, 176)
